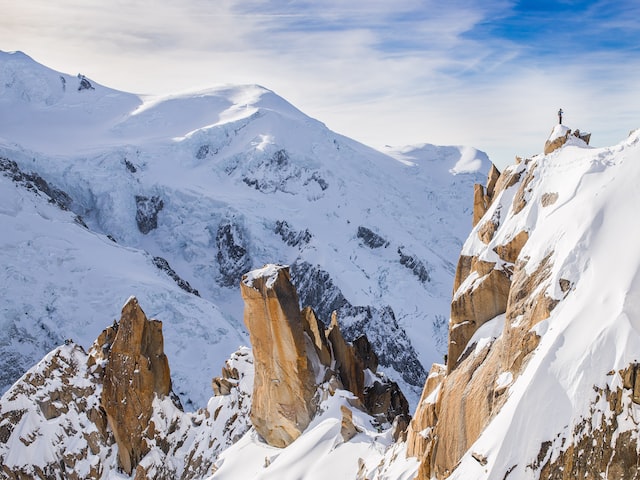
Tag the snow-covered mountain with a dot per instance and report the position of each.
(108, 194)
(542, 379)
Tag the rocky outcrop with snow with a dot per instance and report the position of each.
(294, 355)
(112, 412)
(544, 332)
(561, 135)
(136, 373)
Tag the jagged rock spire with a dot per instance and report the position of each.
(284, 383)
(136, 372)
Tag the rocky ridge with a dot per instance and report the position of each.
(113, 409)
(510, 292)
(294, 355)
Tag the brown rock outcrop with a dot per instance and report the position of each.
(420, 432)
(509, 252)
(459, 402)
(315, 330)
(292, 349)
(556, 143)
(482, 197)
(349, 366)
(480, 203)
(520, 200)
(473, 307)
(136, 372)
(553, 144)
(284, 384)
(347, 429)
(492, 181)
(601, 446)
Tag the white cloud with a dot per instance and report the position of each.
(381, 72)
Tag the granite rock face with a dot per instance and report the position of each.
(460, 399)
(137, 372)
(284, 386)
(294, 355)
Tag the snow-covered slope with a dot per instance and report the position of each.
(588, 239)
(552, 384)
(197, 189)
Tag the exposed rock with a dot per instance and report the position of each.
(492, 181)
(601, 446)
(317, 290)
(487, 230)
(129, 166)
(364, 351)
(204, 151)
(290, 236)
(85, 84)
(35, 183)
(458, 404)
(163, 265)
(224, 385)
(559, 136)
(520, 199)
(137, 371)
(507, 179)
(291, 350)
(57, 407)
(480, 203)
(390, 342)
(553, 144)
(54, 400)
(549, 199)
(420, 434)
(471, 308)
(482, 197)
(315, 330)
(347, 429)
(385, 401)
(417, 267)
(349, 366)
(370, 238)
(381, 399)
(509, 252)
(233, 255)
(276, 172)
(147, 210)
(283, 392)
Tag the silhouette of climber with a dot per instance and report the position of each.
(560, 112)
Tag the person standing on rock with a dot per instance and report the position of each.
(560, 112)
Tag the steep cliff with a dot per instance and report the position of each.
(544, 331)
(294, 357)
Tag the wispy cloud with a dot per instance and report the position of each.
(488, 74)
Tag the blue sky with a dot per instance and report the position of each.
(488, 74)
